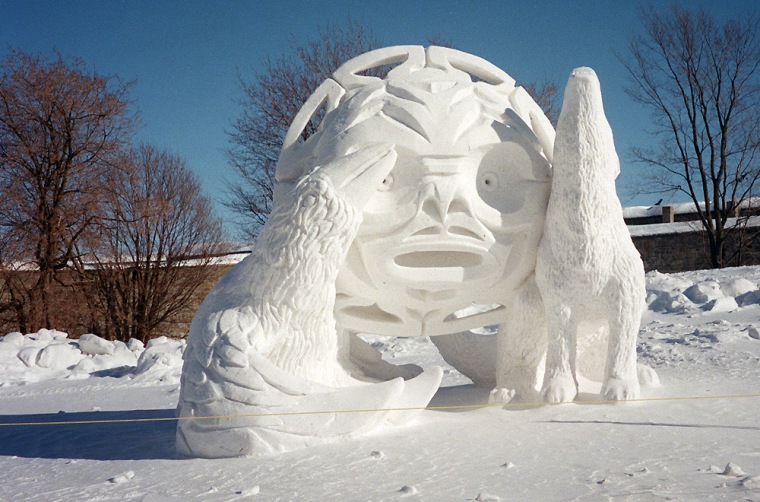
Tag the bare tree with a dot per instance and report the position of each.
(700, 79)
(60, 129)
(546, 95)
(271, 101)
(158, 238)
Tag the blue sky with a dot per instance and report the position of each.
(185, 56)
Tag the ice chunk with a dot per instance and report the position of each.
(737, 286)
(86, 365)
(663, 301)
(167, 356)
(725, 304)
(135, 345)
(703, 292)
(43, 335)
(59, 335)
(157, 341)
(92, 345)
(59, 356)
(28, 356)
(14, 338)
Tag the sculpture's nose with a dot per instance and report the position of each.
(438, 202)
(445, 210)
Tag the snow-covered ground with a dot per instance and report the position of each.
(696, 437)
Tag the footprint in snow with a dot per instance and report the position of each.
(247, 492)
(487, 497)
(123, 477)
(407, 491)
(638, 472)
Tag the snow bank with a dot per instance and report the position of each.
(692, 292)
(50, 354)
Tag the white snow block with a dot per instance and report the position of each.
(415, 209)
(14, 338)
(703, 292)
(59, 356)
(28, 356)
(159, 355)
(723, 304)
(92, 345)
(737, 286)
(44, 335)
(135, 345)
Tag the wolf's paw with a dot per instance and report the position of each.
(500, 395)
(559, 389)
(617, 389)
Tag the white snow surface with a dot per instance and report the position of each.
(694, 437)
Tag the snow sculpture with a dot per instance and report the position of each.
(588, 268)
(416, 209)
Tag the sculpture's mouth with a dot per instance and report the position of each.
(433, 265)
(438, 259)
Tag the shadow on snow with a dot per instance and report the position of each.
(57, 438)
(656, 424)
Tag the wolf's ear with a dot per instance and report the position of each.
(583, 134)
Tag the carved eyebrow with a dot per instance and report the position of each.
(408, 93)
(420, 124)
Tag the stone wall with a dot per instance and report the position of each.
(675, 252)
(681, 251)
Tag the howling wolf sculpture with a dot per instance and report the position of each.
(416, 209)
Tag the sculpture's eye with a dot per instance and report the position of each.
(503, 172)
(386, 184)
(489, 181)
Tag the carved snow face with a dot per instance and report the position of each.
(457, 221)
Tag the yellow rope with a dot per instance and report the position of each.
(420, 408)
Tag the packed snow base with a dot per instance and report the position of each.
(700, 343)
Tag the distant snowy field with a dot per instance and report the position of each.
(695, 437)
